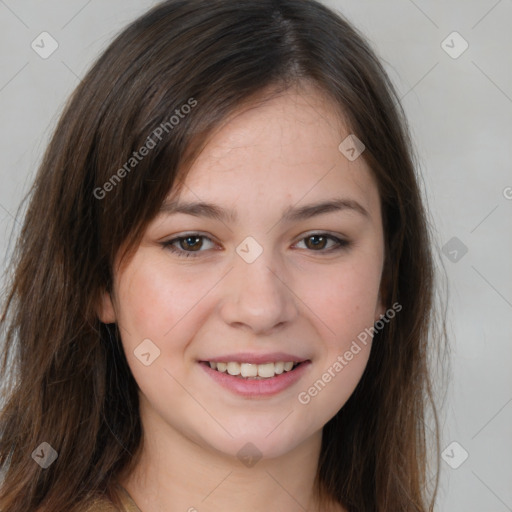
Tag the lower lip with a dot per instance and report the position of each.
(257, 387)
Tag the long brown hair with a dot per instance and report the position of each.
(66, 381)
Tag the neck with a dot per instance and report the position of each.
(175, 473)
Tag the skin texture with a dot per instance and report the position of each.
(294, 298)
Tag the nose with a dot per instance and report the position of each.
(257, 298)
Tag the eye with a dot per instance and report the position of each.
(318, 242)
(188, 245)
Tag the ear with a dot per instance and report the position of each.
(106, 311)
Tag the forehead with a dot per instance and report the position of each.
(296, 127)
(279, 150)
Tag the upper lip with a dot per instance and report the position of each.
(252, 358)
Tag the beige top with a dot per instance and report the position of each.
(104, 505)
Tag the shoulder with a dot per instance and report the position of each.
(103, 504)
(100, 505)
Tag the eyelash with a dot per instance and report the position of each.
(342, 244)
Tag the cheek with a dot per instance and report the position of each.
(154, 298)
(346, 304)
(163, 305)
(344, 299)
(345, 307)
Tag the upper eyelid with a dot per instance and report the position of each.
(186, 235)
(203, 235)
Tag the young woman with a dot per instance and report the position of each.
(222, 294)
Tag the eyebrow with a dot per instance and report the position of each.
(291, 214)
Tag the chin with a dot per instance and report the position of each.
(256, 443)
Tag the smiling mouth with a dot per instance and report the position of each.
(249, 371)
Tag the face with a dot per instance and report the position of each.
(260, 277)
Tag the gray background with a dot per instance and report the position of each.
(460, 110)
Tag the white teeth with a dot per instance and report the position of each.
(249, 370)
(279, 368)
(234, 368)
(265, 370)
